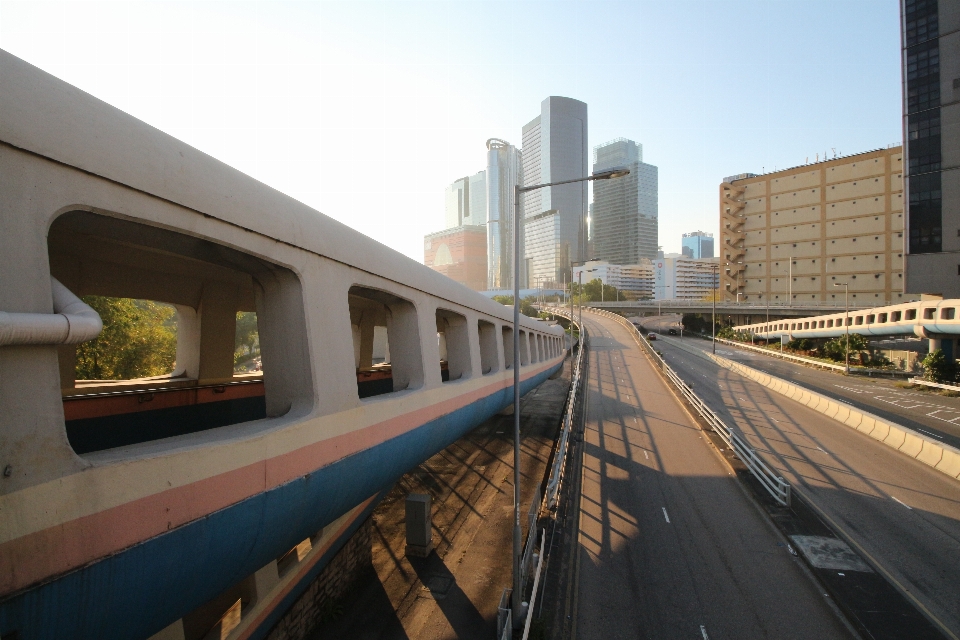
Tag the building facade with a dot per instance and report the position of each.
(503, 174)
(460, 254)
(697, 244)
(635, 281)
(624, 213)
(682, 278)
(930, 42)
(793, 234)
(465, 202)
(555, 148)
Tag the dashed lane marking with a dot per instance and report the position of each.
(902, 502)
(667, 518)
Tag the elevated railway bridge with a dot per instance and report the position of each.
(135, 507)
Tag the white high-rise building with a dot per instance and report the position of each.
(554, 149)
(503, 174)
(465, 202)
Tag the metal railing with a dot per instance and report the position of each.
(531, 561)
(775, 485)
(559, 460)
(505, 616)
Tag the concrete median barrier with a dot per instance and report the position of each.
(937, 455)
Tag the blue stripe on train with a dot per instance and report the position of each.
(139, 591)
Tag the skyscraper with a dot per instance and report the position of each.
(554, 149)
(697, 245)
(502, 175)
(931, 121)
(624, 216)
(465, 201)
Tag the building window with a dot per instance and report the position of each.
(925, 213)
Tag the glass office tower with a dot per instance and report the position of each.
(624, 218)
(503, 174)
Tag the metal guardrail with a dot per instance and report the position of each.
(726, 304)
(547, 501)
(559, 460)
(505, 616)
(775, 485)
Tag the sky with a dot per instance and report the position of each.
(367, 110)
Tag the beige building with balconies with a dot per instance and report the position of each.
(793, 234)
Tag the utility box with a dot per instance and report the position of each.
(419, 527)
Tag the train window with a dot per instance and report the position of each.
(870, 318)
(489, 362)
(928, 313)
(882, 318)
(524, 349)
(829, 323)
(386, 342)
(536, 355)
(540, 349)
(895, 316)
(858, 320)
(910, 314)
(454, 341)
(221, 341)
(947, 313)
(507, 338)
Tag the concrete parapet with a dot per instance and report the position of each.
(937, 455)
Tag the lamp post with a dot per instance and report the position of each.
(617, 172)
(846, 323)
(713, 317)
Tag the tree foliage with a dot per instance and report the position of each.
(593, 291)
(939, 368)
(139, 339)
(526, 304)
(836, 349)
(247, 341)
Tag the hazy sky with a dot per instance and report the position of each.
(366, 111)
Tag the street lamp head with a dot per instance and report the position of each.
(606, 174)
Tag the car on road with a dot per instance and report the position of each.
(672, 332)
(651, 336)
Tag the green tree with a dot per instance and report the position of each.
(835, 349)
(247, 341)
(594, 291)
(526, 304)
(139, 339)
(939, 368)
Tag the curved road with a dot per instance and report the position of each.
(925, 411)
(902, 513)
(670, 545)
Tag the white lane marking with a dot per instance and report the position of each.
(821, 449)
(703, 632)
(903, 503)
(667, 518)
(645, 454)
(930, 434)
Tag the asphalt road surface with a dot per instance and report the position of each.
(670, 544)
(902, 513)
(923, 411)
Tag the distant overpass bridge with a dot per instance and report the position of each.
(937, 320)
(732, 312)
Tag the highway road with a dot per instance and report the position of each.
(671, 546)
(925, 411)
(902, 513)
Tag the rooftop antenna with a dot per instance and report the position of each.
(834, 149)
(818, 157)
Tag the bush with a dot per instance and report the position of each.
(800, 344)
(938, 368)
(835, 349)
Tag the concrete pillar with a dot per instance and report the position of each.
(67, 359)
(188, 341)
(367, 324)
(218, 329)
(419, 527)
(173, 632)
